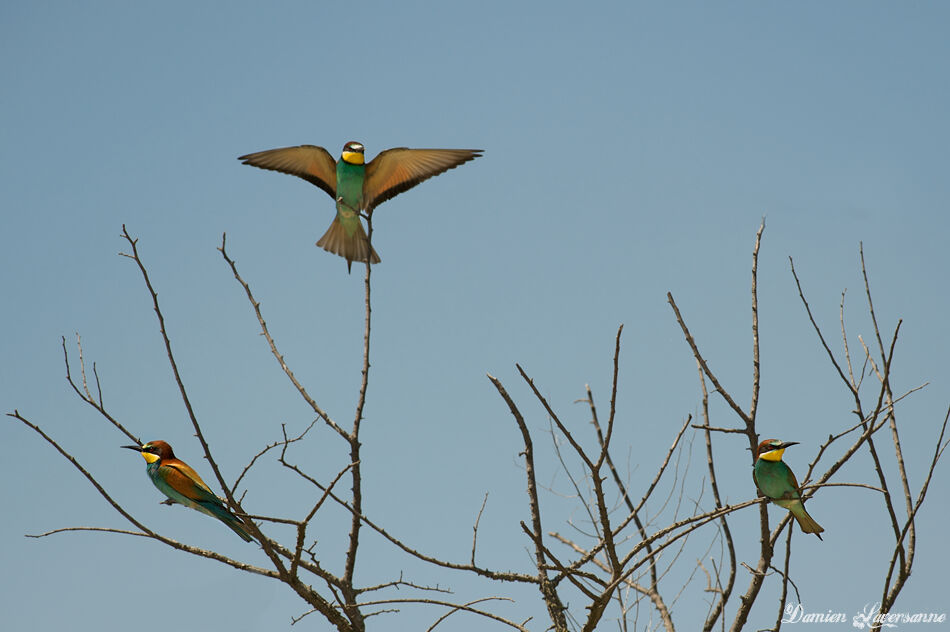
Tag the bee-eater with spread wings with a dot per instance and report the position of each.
(357, 186)
(181, 484)
(778, 483)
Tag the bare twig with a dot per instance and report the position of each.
(725, 591)
(273, 346)
(85, 395)
(478, 519)
(548, 589)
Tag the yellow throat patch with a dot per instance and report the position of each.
(773, 455)
(353, 157)
(149, 457)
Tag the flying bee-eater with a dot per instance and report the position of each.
(182, 485)
(778, 483)
(358, 186)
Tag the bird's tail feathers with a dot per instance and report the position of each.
(355, 247)
(234, 523)
(806, 522)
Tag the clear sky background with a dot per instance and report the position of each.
(630, 149)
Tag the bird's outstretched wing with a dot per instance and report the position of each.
(396, 170)
(313, 164)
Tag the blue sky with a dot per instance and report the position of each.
(630, 149)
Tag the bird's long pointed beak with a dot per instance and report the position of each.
(789, 443)
(137, 448)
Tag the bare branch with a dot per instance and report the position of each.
(724, 591)
(456, 607)
(756, 366)
(475, 528)
(723, 430)
(401, 582)
(267, 449)
(102, 529)
(821, 336)
(84, 393)
(548, 589)
(354, 436)
(702, 362)
(650, 592)
(273, 346)
(783, 598)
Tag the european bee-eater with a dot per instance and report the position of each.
(778, 483)
(356, 186)
(181, 484)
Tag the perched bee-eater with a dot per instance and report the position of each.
(357, 186)
(777, 482)
(182, 485)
